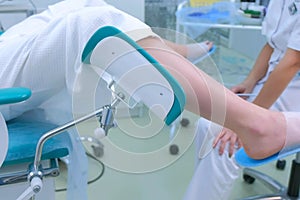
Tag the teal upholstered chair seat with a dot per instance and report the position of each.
(23, 138)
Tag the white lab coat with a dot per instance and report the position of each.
(44, 52)
(214, 175)
(287, 36)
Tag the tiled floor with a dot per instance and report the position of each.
(173, 172)
(167, 183)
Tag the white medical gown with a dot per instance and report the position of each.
(43, 53)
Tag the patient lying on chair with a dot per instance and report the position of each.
(43, 53)
(33, 49)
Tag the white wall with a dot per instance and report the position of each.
(248, 42)
(135, 8)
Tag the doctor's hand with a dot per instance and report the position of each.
(243, 88)
(227, 136)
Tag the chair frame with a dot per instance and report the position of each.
(290, 192)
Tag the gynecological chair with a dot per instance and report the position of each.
(291, 192)
(23, 135)
(132, 76)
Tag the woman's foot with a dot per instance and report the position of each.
(192, 51)
(198, 50)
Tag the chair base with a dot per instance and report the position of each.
(13, 191)
(280, 192)
(13, 180)
(19, 173)
(270, 197)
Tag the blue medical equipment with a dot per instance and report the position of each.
(280, 191)
(116, 55)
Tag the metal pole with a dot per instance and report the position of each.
(58, 130)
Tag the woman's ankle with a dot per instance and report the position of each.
(267, 138)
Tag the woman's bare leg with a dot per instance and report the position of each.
(191, 51)
(261, 131)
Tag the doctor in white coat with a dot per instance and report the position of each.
(276, 80)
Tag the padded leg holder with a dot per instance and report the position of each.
(135, 71)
